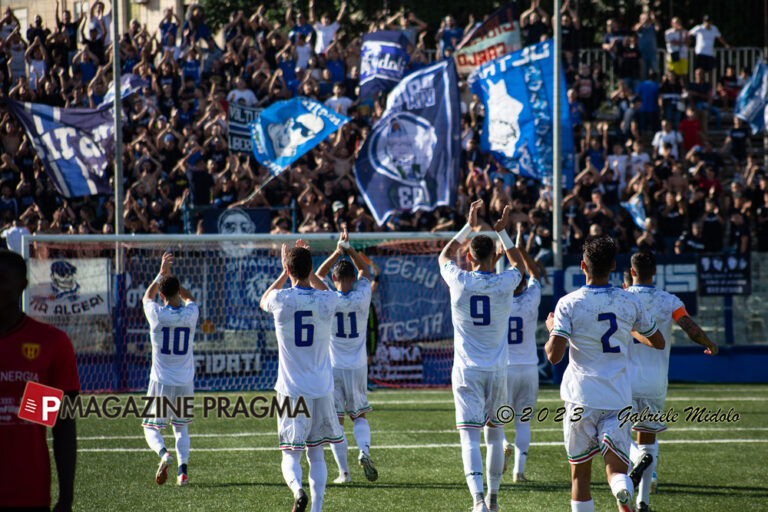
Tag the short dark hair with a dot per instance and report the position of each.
(599, 255)
(169, 286)
(628, 281)
(481, 248)
(344, 270)
(14, 263)
(299, 261)
(644, 264)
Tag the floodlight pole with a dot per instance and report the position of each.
(557, 168)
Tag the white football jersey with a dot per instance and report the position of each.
(480, 306)
(597, 320)
(349, 327)
(172, 332)
(521, 339)
(649, 365)
(303, 319)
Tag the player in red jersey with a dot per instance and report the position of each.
(32, 351)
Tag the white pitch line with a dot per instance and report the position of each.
(409, 446)
(439, 431)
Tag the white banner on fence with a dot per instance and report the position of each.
(69, 287)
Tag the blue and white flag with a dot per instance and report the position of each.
(753, 98)
(410, 160)
(286, 130)
(636, 209)
(517, 91)
(129, 84)
(75, 145)
(383, 59)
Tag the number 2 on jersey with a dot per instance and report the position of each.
(303, 334)
(180, 341)
(515, 334)
(480, 309)
(612, 328)
(353, 333)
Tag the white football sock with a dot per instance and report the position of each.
(291, 466)
(362, 432)
(634, 453)
(522, 443)
(318, 476)
(644, 489)
(473, 459)
(339, 451)
(583, 506)
(621, 481)
(181, 433)
(494, 457)
(154, 439)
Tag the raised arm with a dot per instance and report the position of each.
(697, 335)
(165, 269)
(326, 266)
(530, 265)
(513, 255)
(279, 282)
(357, 259)
(449, 251)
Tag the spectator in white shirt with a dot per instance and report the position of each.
(13, 235)
(664, 136)
(676, 39)
(325, 30)
(338, 102)
(241, 94)
(705, 36)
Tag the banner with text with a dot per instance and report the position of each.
(71, 287)
(240, 117)
(495, 37)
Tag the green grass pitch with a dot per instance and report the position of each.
(235, 466)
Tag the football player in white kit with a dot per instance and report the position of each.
(523, 361)
(303, 315)
(348, 359)
(172, 332)
(650, 368)
(480, 309)
(596, 321)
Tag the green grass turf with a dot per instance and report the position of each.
(728, 475)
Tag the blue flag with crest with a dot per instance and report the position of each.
(753, 98)
(517, 91)
(75, 144)
(286, 130)
(410, 160)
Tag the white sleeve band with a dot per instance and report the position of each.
(463, 233)
(157, 279)
(345, 245)
(505, 240)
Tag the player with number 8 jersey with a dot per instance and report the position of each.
(172, 332)
(303, 318)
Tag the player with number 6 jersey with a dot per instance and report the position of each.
(480, 309)
(596, 321)
(350, 370)
(172, 332)
(303, 316)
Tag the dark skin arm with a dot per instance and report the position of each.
(65, 455)
(697, 335)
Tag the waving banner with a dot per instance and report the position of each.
(383, 59)
(498, 35)
(410, 160)
(286, 130)
(518, 92)
(75, 145)
(752, 100)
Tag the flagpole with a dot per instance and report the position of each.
(117, 115)
(557, 171)
(255, 192)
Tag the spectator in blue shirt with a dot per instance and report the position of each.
(648, 90)
(448, 36)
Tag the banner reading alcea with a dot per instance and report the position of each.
(498, 35)
(517, 91)
(70, 287)
(410, 160)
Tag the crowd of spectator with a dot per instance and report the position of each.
(652, 140)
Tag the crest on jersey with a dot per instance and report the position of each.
(402, 147)
(30, 351)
